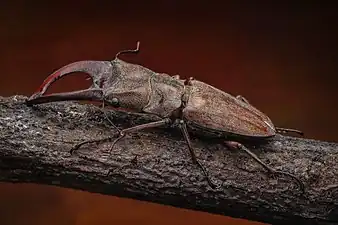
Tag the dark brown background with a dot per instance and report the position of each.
(283, 58)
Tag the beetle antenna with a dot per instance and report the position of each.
(136, 50)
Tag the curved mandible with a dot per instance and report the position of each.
(93, 68)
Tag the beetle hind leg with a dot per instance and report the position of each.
(288, 130)
(237, 145)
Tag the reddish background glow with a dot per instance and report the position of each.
(282, 58)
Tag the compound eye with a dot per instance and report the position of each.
(115, 102)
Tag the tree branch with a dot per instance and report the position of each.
(155, 165)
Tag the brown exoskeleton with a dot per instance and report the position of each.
(192, 104)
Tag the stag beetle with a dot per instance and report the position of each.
(192, 104)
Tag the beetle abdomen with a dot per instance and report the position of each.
(214, 109)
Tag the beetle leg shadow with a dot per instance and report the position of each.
(239, 146)
(96, 141)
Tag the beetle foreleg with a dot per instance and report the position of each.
(237, 145)
(109, 120)
(184, 130)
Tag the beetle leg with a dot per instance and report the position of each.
(96, 141)
(236, 145)
(287, 130)
(123, 133)
(240, 97)
(109, 120)
(184, 130)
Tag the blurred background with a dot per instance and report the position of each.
(282, 58)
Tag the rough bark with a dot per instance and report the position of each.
(155, 165)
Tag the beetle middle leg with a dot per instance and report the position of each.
(239, 146)
(123, 132)
(185, 133)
